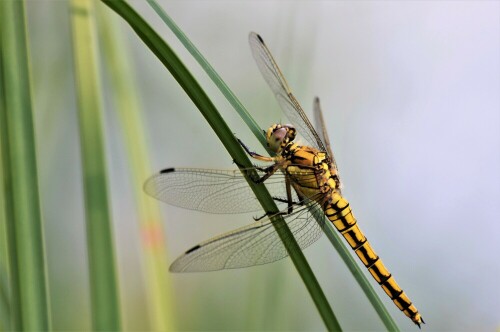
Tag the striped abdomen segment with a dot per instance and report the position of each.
(340, 214)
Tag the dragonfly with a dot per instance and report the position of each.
(303, 180)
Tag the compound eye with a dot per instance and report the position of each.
(279, 134)
(276, 136)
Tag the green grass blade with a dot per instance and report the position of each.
(4, 301)
(208, 110)
(4, 239)
(27, 268)
(330, 232)
(103, 279)
(10, 311)
(127, 106)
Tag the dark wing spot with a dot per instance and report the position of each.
(193, 249)
(167, 170)
(260, 39)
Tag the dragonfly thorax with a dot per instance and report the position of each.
(278, 136)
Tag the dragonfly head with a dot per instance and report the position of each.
(278, 136)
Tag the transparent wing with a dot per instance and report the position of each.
(321, 130)
(319, 123)
(255, 244)
(289, 104)
(212, 190)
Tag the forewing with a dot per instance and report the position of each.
(321, 130)
(211, 190)
(255, 244)
(319, 123)
(289, 104)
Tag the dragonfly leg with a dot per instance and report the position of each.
(288, 200)
(281, 200)
(284, 200)
(257, 167)
(270, 215)
(254, 154)
(269, 171)
(291, 204)
(255, 177)
(289, 194)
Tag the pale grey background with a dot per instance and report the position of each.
(410, 92)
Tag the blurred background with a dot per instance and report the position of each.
(410, 94)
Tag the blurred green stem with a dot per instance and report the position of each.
(128, 109)
(103, 279)
(29, 303)
(201, 100)
(10, 311)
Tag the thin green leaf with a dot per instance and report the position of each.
(128, 109)
(6, 220)
(103, 280)
(29, 303)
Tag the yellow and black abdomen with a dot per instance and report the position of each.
(340, 214)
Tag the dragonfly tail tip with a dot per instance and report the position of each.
(420, 322)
